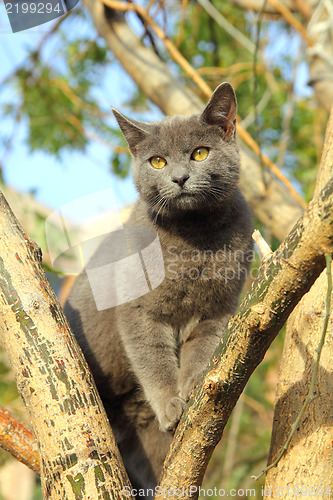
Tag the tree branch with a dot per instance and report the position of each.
(282, 280)
(18, 440)
(77, 448)
(305, 7)
(288, 16)
(228, 27)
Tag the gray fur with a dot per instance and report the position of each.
(147, 355)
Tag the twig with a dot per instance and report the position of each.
(271, 165)
(228, 27)
(284, 140)
(287, 14)
(255, 89)
(319, 349)
(149, 6)
(262, 244)
(234, 68)
(180, 34)
(51, 32)
(75, 99)
(18, 440)
(147, 31)
(34, 55)
(231, 445)
(304, 8)
(180, 59)
(249, 119)
(174, 52)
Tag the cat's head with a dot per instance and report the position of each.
(185, 163)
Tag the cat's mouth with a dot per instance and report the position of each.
(185, 200)
(183, 195)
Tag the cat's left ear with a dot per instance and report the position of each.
(221, 109)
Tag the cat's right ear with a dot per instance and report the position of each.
(133, 130)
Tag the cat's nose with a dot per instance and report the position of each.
(180, 180)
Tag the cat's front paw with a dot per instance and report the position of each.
(173, 411)
(190, 383)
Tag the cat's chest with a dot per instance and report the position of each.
(196, 275)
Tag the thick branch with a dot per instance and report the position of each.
(18, 440)
(283, 279)
(77, 448)
(274, 206)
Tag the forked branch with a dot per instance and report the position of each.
(284, 277)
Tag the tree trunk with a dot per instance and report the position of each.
(307, 464)
(320, 53)
(79, 456)
(309, 454)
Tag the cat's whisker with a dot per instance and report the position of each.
(158, 206)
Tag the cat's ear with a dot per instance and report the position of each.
(221, 109)
(133, 130)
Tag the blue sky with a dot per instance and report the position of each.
(56, 183)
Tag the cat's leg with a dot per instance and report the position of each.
(143, 453)
(151, 349)
(197, 351)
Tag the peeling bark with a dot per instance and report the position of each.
(78, 453)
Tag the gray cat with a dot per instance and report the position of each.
(147, 354)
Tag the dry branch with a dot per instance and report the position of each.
(287, 14)
(283, 279)
(76, 445)
(18, 440)
(295, 6)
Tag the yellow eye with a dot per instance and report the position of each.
(157, 162)
(200, 154)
